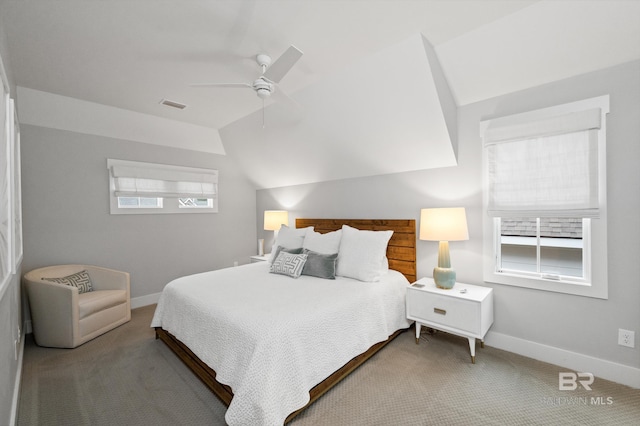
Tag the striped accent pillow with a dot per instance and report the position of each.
(288, 264)
(81, 280)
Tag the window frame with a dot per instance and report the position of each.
(585, 279)
(594, 235)
(167, 204)
(158, 200)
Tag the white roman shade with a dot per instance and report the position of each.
(135, 179)
(544, 165)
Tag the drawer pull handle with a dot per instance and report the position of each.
(439, 311)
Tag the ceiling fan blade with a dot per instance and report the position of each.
(290, 111)
(222, 85)
(283, 64)
(281, 97)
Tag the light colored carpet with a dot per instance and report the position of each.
(126, 377)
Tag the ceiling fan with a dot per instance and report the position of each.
(272, 73)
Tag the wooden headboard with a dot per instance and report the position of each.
(401, 251)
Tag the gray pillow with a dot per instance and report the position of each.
(320, 265)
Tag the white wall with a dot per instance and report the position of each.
(572, 331)
(64, 113)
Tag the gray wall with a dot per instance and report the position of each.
(10, 311)
(66, 212)
(578, 324)
(66, 220)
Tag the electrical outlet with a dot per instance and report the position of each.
(626, 338)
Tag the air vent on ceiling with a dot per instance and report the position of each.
(173, 104)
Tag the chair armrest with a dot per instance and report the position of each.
(108, 279)
(54, 311)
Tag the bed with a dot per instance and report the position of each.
(269, 345)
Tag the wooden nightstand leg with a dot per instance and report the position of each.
(418, 326)
(472, 348)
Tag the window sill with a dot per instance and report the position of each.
(552, 285)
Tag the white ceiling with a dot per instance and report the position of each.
(131, 54)
(360, 122)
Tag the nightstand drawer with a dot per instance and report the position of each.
(452, 312)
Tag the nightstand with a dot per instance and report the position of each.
(465, 310)
(256, 258)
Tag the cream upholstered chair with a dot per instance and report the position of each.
(64, 318)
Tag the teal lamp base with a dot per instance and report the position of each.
(444, 278)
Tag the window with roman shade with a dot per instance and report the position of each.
(546, 167)
(171, 185)
(545, 198)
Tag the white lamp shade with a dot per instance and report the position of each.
(444, 224)
(274, 219)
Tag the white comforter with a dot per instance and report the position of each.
(272, 338)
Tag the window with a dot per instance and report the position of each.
(195, 203)
(545, 198)
(139, 203)
(550, 248)
(148, 188)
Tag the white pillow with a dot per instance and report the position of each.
(362, 253)
(289, 238)
(385, 265)
(328, 243)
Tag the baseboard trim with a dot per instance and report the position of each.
(13, 418)
(149, 299)
(619, 373)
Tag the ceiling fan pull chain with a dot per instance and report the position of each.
(263, 126)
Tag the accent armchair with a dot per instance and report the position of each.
(64, 317)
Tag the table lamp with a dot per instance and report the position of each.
(444, 225)
(274, 219)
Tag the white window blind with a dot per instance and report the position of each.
(134, 179)
(545, 166)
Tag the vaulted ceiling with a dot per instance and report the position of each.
(364, 82)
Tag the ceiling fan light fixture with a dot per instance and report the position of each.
(263, 88)
(263, 93)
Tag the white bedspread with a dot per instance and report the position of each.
(272, 338)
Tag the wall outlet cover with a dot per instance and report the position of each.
(626, 338)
